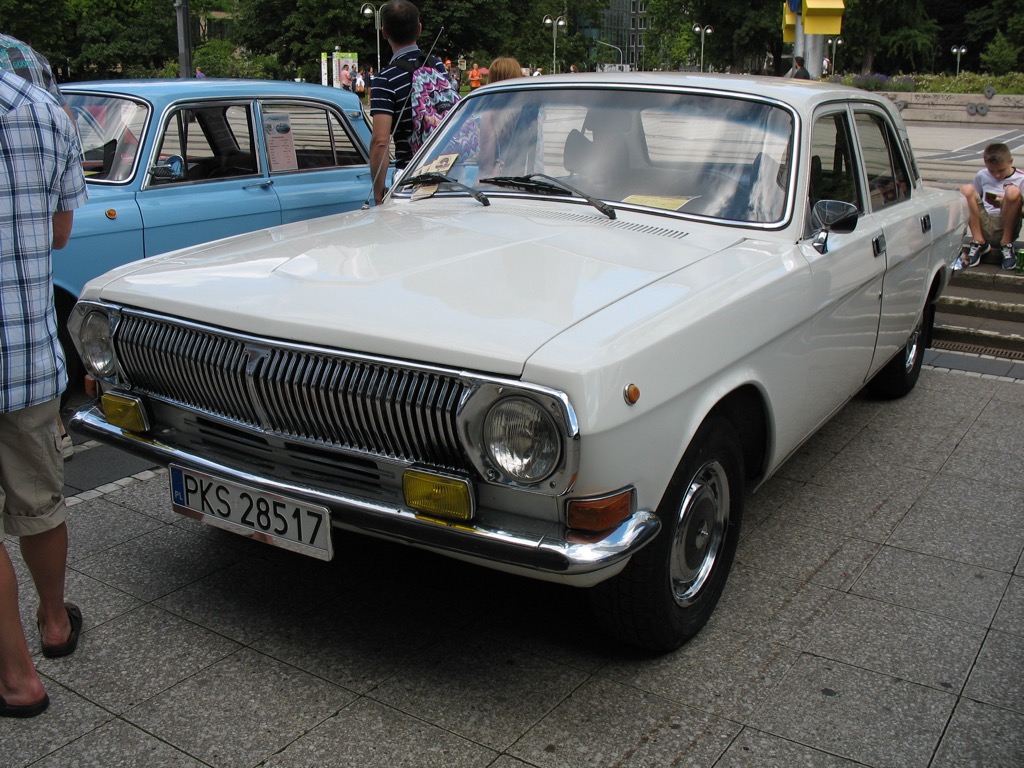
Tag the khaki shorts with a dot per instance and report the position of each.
(31, 470)
(992, 226)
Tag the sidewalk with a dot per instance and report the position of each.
(874, 617)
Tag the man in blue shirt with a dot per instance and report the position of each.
(25, 61)
(41, 183)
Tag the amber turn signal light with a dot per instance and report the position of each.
(602, 513)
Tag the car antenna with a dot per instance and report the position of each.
(408, 96)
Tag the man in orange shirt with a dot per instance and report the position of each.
(474, 77)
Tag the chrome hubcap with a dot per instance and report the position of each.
(701, 522)
(912, 343)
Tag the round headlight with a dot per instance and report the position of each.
(95, 345)
(522, 439)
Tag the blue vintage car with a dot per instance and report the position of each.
(173, 163)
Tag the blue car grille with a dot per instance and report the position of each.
(300, 393)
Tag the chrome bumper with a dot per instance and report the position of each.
(544, 549)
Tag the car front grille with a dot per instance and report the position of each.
(301, 393)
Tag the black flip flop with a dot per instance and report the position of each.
(23, 710)
(68, 646)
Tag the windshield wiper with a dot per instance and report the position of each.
(541, 182)
(439, 178)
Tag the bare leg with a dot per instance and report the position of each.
(974, 212)
(1011, 212)
(19, 683)
(46, 555)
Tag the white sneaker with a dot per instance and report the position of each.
(67, 448)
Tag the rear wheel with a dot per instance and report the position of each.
(669, 589)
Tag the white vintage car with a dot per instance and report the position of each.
(594, 314)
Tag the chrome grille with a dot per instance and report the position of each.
(297, 392)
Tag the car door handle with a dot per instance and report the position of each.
(265, 184)
(926, 222)
(878, 243)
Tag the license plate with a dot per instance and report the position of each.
(269, 517)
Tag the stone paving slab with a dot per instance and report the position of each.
(875, 617)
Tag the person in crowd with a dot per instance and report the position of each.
(389, 101)
(475, 77)
(346, 78)
(994, 207)
(454, 73)
(41, 183)
(497, 127)
(360, 84)
(799, 70)
(200, 73)
(504, 68)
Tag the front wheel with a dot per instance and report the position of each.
(669, 589)
(900, 374)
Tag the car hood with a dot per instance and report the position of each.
(444, 281)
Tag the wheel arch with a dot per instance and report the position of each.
(747, 410)
(939, 282)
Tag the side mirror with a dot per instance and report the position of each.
(832, 216)
(169, 169)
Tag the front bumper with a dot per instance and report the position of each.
(534, 548)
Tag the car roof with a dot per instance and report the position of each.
(172, 89)
(801, 94)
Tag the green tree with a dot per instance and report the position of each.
(41, 24)
(986, 24)
(220, 58)
(746, 32)
(898, 35)
(121, 38)
(297, 32)
(1000, 56)
(671, 36)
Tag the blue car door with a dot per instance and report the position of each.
(318, 165)
(207, 179)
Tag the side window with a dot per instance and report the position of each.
(888, 180)
(831, 173)
(202, 143)
(303, 137)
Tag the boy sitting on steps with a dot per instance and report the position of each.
(994, 204)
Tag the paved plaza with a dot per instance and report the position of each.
(874, 617)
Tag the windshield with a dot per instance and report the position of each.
(110, 128)
(692, 153)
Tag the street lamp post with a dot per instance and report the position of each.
(959, 50)
(702, 31)
(602, 42)
(834, 41)
(369, 9)
(554, 23)
(184, 39)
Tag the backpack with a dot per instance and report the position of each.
(431, 96)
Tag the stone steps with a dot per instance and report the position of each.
(947, 174)
(982, 311)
